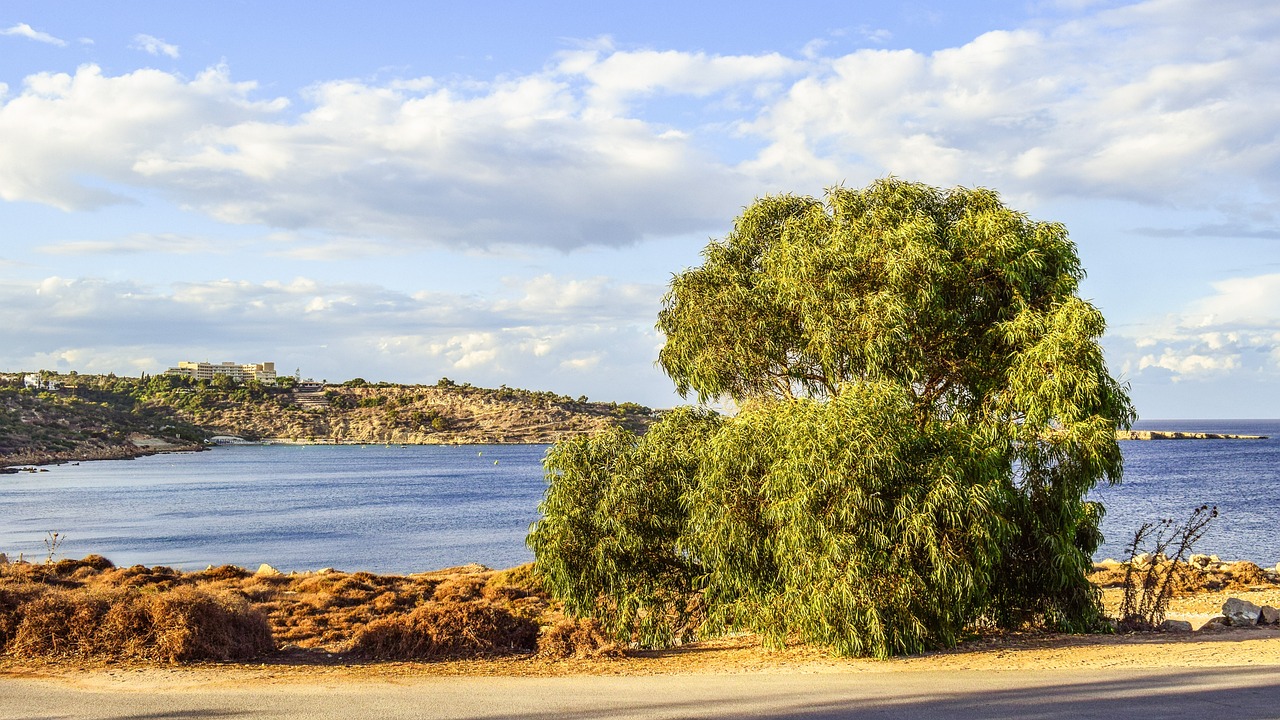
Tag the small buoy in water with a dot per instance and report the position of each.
(495, 462)
(478, 454)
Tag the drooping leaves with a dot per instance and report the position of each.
(925, 406)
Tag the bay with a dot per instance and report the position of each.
(298, 507)
(408, 509)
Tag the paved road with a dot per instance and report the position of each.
(1243, 693)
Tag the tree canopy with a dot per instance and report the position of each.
(924, 406)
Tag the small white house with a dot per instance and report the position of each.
(32, 380)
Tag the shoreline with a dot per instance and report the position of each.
(1123, 435)
(19, 462)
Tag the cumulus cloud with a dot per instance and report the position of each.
(154, 46)
(1236, 330)
(1157, 102)
(26, 31)
(72, 141)
(1167, 100)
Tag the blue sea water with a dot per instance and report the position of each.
(352, 507)
(1170, 478)
(407, 509)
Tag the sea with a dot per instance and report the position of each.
(402, 509)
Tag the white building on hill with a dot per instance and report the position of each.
(262, 372)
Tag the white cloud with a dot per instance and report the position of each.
(138, 243)
(26, 31)
(154, 46)
(72, 141)
(1184, 365)
(1235, 331)
(1157, 102)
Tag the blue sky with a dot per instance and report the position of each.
(499, 193)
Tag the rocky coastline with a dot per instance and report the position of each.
(135, 448)
(1177, 435)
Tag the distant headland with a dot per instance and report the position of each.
(1176, 435)
(55, 417)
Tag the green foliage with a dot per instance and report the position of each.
(845, 524)
(609, 541)
(925, 406)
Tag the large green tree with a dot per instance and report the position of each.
(924, 407)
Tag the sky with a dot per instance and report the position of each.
(500, 192)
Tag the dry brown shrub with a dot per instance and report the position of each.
(388, 602)
(175, 626)
(13, 596)
(139, 576)
(459, 589)
(97, 562)
(58, 624)
(1108, 577)
(446, 630)
(195, 625)
(224, 572)
(580, 639)
(1245, 573)
(513, 584)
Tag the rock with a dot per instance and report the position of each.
(266, 570)
(1143, 559)
(1268, 615)
(1241, 613)
(1175, 626)
(1215, 625)
(1199, 560)
(325, 571)
(4, 559)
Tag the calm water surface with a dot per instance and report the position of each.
(383, 509)
(394, 509)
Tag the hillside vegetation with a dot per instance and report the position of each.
(97, 416)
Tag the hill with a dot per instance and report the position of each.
(97, 416)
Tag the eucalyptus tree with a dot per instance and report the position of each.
(924, 407)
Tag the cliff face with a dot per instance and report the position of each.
(417, 414)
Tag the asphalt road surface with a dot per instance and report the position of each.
(1121, 694)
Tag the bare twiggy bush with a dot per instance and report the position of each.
(1157, 566)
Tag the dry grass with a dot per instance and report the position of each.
(447, 629)
(89, 609)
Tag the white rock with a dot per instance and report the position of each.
(1199, 560)
(265, 569)
(1241, 613)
